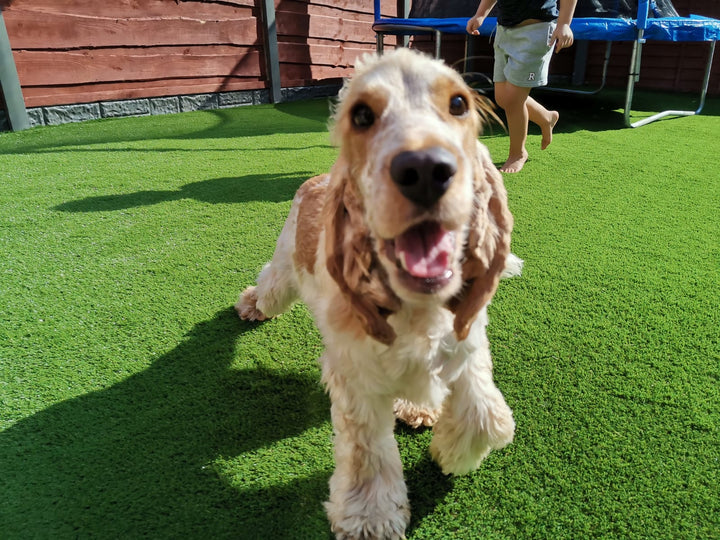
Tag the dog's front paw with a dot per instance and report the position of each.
(373, 525)
(460, 444)
(246, 306)
(369, 512)
(413, 415)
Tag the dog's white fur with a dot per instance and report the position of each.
(391, 349)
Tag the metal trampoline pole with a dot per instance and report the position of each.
(634, 75)
(672, 112)
(379, 42)
(706, 78)
(606, 62)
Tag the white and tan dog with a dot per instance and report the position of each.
(397, 252)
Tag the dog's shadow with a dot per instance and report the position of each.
(141, 457)
(426, 484)
(265, 187)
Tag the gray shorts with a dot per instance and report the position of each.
(522, 54)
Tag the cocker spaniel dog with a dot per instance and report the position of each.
(397, 252)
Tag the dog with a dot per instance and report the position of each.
(397, 252)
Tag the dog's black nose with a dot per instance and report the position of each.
(423, 176)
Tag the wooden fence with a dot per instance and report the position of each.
(85, 51)
(75, 51)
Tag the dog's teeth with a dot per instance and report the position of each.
(402, 261)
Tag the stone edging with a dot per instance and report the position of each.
(80, 112)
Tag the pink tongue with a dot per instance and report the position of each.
(425, 250)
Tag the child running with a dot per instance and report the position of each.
(526, 34)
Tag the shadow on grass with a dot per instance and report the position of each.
(604, 111)
(254, 187)
(136, 459)
(247, 121)
(140, 458)
(427, 485)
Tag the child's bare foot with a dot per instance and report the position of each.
(514, 163)
(547, 129)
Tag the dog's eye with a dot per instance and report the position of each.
(458, 105)
(362, 116)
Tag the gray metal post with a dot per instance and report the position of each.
(580, 62)
(634, 75)
(405, 14)
(670, 112)
(272, 55)
(17, 114)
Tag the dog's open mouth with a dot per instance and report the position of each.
(423, 256)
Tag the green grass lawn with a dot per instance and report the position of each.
(133, 402)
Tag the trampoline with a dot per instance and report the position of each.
(595, 20)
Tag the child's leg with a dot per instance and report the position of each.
(513, 99)
(544, 118)
(519, 108)
(522, 58)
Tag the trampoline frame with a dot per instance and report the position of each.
(634, 30)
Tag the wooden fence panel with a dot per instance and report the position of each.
(75, 51)
(320, 41)
(70, 31)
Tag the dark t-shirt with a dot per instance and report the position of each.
(512, 12)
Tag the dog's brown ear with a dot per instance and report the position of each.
(488, 244)
(352, 263)
(486, 110)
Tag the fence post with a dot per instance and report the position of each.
(10, 84)
(272, 55)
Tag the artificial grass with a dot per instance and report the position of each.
(135, 403)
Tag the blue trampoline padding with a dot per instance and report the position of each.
(597, 28)
(693, 28)
(451, 25)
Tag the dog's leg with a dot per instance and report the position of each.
(474, 420)
(368, 497)
(276, 288)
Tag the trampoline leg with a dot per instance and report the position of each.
(633, 77)
(438, 38)
(606, 62)
(379, 42)
(706, 78)
(466, 59)
(658, 116)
